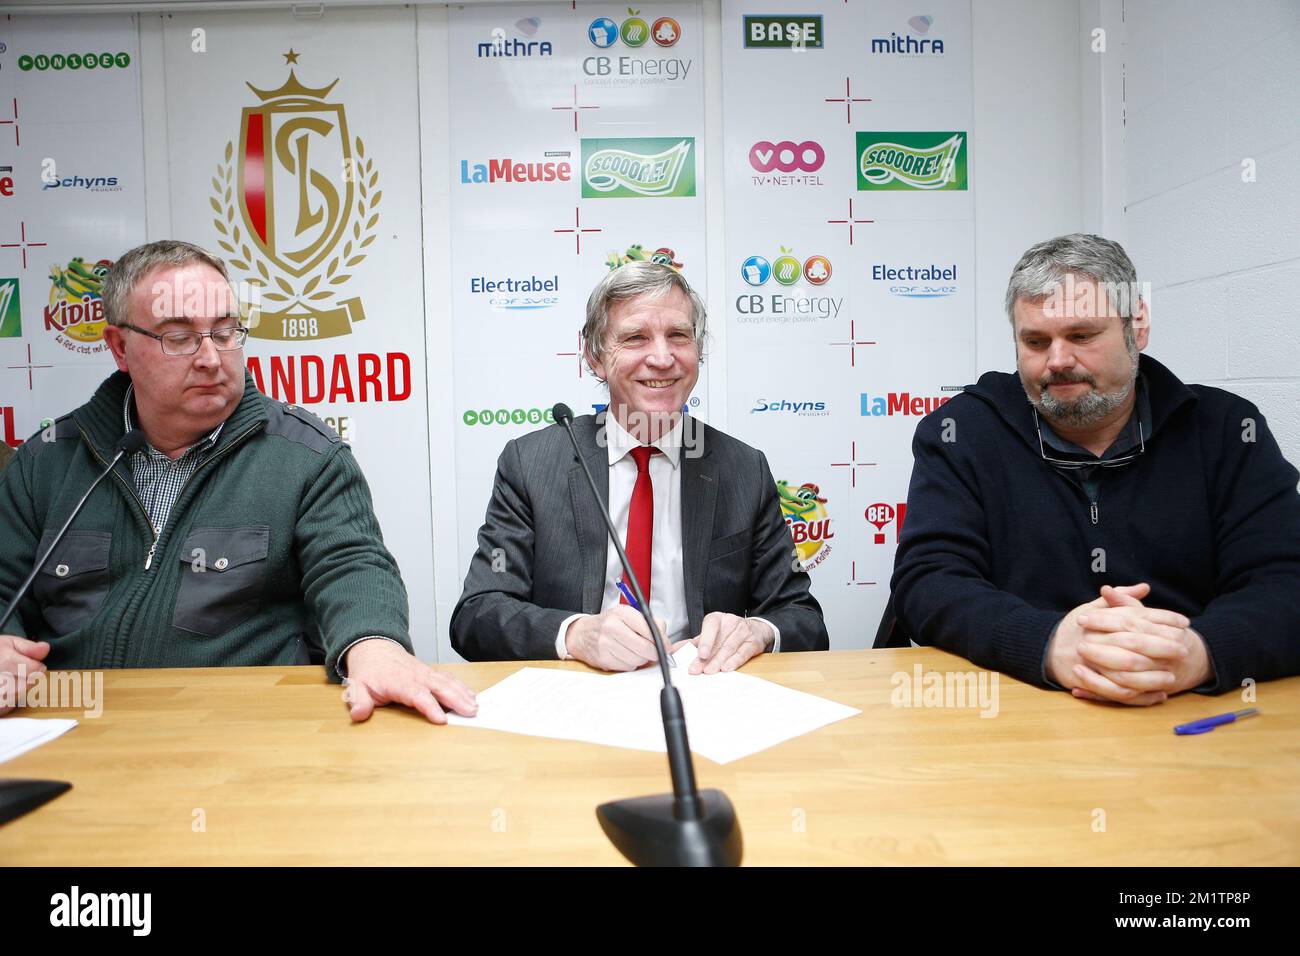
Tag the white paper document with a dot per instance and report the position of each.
(21, 734)
(728, 716)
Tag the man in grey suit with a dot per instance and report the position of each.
(697, 510)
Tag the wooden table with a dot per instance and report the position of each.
(262, 766)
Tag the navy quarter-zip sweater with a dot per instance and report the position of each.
(998, 546)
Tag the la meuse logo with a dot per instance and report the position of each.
(511, 171)
(900, 403)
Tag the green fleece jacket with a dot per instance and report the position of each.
(272, 546)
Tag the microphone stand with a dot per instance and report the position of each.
(688, 827)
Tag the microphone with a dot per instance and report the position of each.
(687, 827)
(18, 797)
(129, 443)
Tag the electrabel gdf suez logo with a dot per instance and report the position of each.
(643, 168)
(911, 160)
(804, 510)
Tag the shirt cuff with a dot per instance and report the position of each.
(344, 656)
(562, 650)
(776, 634)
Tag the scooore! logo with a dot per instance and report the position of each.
(917, 282)
(11, 313)
(507, 416)
(906, 44)
(780, 307)
(648, 167)
(909, 160)
(636, 253)
(635, 31)
(551, 169)
(76, 312)
(521, 45)
(784, 406)
(517, 295)
(902, 403)
(805, 514)
(73, 61)
(94, 184)
(296, 209)
(783, 32)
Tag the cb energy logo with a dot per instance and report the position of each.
(635, 31)
(898, 160)
(778, 307)
(805, 514)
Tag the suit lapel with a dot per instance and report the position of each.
(699, 498)
(593, 540)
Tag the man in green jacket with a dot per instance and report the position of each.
(242, 533)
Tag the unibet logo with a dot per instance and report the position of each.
(73, 61)
(783, 32)
(11, 313)
(911, 160)
(634, 32)
(804, 510)
(507, 416)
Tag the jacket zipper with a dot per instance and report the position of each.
(1093, 512)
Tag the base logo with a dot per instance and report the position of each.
(928, 161)
(783, 32)
(76, 312)
(881, 515)
(805, 514)
(11, 312)
(649, 167)
(296, 210)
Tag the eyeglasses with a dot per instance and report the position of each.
(187, 343)
(1099, 462)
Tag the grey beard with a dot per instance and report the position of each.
(1093, 408)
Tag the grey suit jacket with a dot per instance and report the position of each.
(541, 550)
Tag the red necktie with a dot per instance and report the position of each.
(641, 520)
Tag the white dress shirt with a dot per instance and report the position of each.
(667, 580)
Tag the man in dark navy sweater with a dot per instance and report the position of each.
(1093, 523)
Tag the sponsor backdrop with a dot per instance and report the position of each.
(591, 158)
(71, 198)
(574, 140)
(849, 243)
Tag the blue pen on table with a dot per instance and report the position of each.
(1206, 724)
(631, 602)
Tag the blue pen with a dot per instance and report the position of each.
(1206, 724)
(631, 601)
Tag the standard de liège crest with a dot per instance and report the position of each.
(295, 209)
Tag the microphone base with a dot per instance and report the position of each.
(648, 832)
(22, 796)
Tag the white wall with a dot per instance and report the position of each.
(1208, 86)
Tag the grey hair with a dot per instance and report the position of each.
(137, 263)
(1043, 268)
(628, 282)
